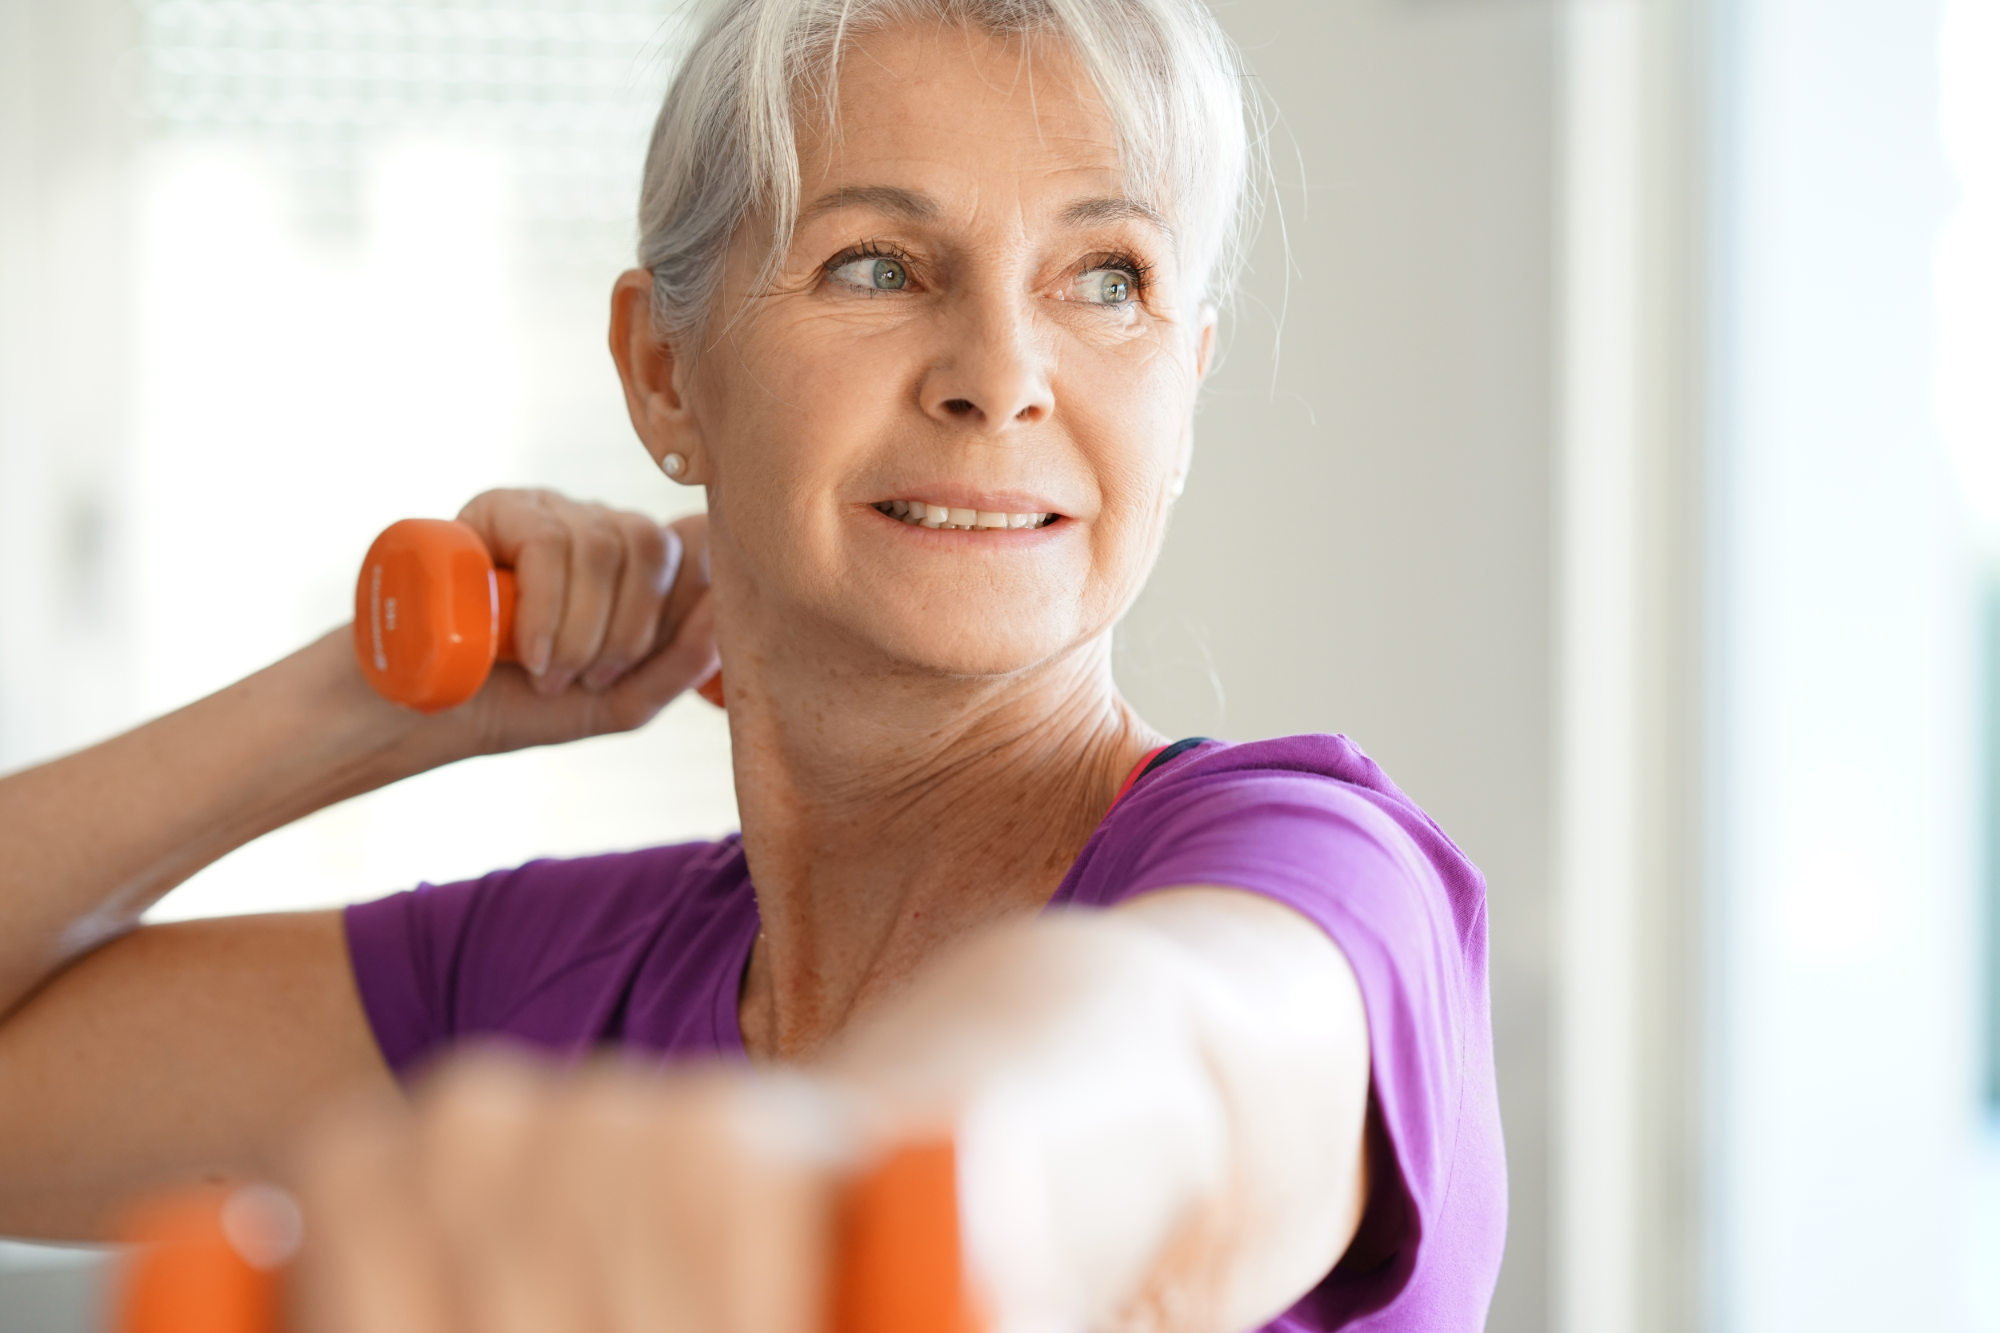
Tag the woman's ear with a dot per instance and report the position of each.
(1204, 357)
(655, 379)
(1204, 347)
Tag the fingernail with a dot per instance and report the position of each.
(554, 685)
(602, 675)
(538, 656)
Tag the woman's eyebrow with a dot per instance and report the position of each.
(914, 206)
(906, 204)
(1101, 209)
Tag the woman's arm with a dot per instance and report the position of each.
(172, 1054)
(94, 839)
(1191, 1072)
(1159, 1110)
(133, 1057)
(129, 1058)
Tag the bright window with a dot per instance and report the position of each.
(377, 250)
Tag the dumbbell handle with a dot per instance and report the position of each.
(897, 1268)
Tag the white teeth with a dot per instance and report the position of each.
(925, 514)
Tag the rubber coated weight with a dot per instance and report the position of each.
(432, 614)
(185, 1273)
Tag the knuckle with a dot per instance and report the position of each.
(477, 1086)
(483, 503)
(607, 1101)
(646, 539)
(539, 528)
(598, 549)
(638, 625)
(545, 552)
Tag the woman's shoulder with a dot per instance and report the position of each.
(563, 896)
(1307, 807)
(657, 875)
(1314, 823)
(557, 951)
(1310, 755)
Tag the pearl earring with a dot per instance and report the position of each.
(674, 464)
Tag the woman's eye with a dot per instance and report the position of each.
(875, 272)
(1104, 286)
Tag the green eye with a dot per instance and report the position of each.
(1105, 286)
(875, 272)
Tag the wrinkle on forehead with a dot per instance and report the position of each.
(1074, 114)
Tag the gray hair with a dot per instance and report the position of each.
(723, 146)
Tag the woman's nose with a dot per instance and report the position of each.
(992, 372)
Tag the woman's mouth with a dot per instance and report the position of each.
(923, 514)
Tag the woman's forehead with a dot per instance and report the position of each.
(929, 120)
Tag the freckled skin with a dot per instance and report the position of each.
(925, 727)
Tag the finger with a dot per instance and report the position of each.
(525, 534)
(652, 561)
(693, 1223)
(615, 1197)
(596, 559)
(482, 1141)
(371, 1260)
(686, 661)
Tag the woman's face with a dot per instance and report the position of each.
(972, 317)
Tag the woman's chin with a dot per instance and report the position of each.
(990, 647)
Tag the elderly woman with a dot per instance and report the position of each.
(928, 290)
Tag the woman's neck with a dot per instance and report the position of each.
(885, 813)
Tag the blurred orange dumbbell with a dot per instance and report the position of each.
(433, 613)
(213, 1260)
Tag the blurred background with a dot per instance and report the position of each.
(1613, 452)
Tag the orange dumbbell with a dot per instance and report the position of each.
(433, 613)
(213, 1261)
(206, 1260)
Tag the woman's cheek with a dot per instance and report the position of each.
(826, 386)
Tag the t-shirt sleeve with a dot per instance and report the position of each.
(538, 953)
(1333, 853)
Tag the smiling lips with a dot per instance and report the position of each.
(921, 514)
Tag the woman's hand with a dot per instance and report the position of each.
(616, 1199)
(613, 618)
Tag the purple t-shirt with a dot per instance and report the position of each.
(647, 949)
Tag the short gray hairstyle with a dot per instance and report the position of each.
(1172, 82)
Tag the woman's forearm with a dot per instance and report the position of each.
(1160, 1112)
(1091, 1132)
(93, 839)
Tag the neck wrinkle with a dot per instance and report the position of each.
(885, 814)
